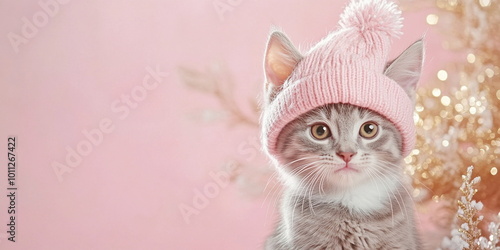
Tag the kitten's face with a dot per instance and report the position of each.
(338, 146)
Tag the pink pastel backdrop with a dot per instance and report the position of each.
(127, 192)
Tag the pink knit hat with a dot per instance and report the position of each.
(346, 67)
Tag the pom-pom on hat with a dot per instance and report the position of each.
(348, 66)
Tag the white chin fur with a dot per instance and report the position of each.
(365, 197)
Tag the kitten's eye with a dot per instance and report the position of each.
(368, 130)
(320, 131)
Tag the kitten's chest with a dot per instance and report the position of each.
(331, 228)
(334, 227)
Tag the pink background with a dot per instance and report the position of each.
(126, 193)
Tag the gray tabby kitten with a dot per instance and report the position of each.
(342, 167)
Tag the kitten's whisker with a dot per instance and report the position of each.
(324, 174)
(303, 169)
(275, 173)
(273, 176)
(426, 187)
(317, 175)
(307, 185)
(306, 180)
(275, 193)
(405, 212)
(403, 185)
(397, 174)
(300, 169)
(373, 176)
(301, 159)
(275, 189)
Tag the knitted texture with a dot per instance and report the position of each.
(346, 67)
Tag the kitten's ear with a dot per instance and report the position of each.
(281, 58)
(406, 68)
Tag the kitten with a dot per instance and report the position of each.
(345, 186)
(341, 165)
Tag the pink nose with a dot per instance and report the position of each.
(347, 156)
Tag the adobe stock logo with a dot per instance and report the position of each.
(31, 26)
(94, 137)
(224, 6)
(203, 196)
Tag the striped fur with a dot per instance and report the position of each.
(370, 208)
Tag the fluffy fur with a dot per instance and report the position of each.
(343, 189)
(368, 207)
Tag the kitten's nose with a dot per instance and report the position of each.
(347, 156)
